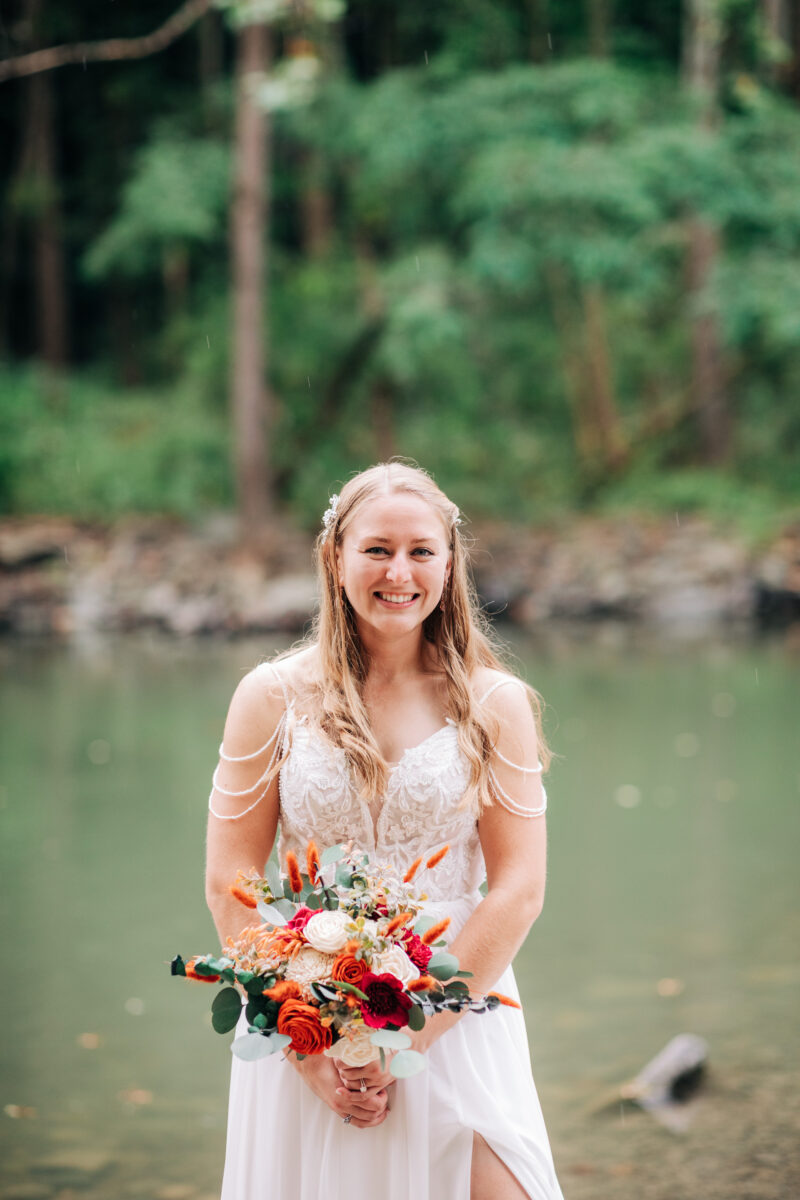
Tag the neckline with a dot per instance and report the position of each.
(449, 724)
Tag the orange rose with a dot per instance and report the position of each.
(302, 1024)
(348, 969)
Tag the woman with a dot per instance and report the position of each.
(397, 728)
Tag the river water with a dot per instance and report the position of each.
(672, 906)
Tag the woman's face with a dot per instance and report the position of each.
(393, 562)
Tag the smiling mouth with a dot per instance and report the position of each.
(398, 599)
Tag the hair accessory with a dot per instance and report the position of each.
(329, 516)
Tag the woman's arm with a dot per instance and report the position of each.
(515, 853)
(237, 839)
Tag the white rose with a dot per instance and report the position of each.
(397, 963)
(355, 1049)
(309, 966)
(327, 932)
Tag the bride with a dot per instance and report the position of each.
(398, 729)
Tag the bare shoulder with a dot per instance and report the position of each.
(255, 710)
(507, 698)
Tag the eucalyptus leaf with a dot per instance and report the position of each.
(351, 987)
(285, 907)
(265, 911)
(273, 877)
(423, 925)
(226, 1010)
(279, 1040)
(331, 854)
(443, 966)
(391, 1039)
(260, 1021)
(416, 1018)
(177, 966)
(252, 1046)
(255, 986)
(407, 1062)
(314, 901)
(344, 877)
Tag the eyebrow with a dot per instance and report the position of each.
(385, 541)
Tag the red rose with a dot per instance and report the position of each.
(417, 951)
(386, 1002)
(300, 918)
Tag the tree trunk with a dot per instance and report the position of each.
(539, 43)
(38, 168)
(599, 19)
(702, 36)
(316, 206)
(607, 426)
(249, 225)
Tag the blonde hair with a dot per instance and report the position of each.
(456, 628)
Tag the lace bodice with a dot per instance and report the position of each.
(421, 811)
(419, 814)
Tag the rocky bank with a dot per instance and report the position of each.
(61, 577)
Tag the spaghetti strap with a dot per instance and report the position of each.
(501, 795)
(498, 683)
(267, 775)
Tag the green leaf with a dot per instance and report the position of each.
(443, 966)
(264, 910)
(252, 1046)
(279, 1040)
(273, 877)
(204, 968)
(344, 877)
(392, 1039)
(177, 966)
(331, 854)
(255, 986)
(314, 901)
(416, 1018)
(382, 1053)
(465, 974)
(260, 1021)
(351, 987)
(423, 925)
(285, 907)
(407, 1062)
(456, 987)
(226, 1010)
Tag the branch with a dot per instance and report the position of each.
(108, 51)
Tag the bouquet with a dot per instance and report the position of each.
(354, 963)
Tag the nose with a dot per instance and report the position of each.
(398, 569)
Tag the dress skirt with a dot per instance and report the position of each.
(283, 1141)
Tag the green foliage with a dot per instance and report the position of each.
(85, 449)
(176, 197)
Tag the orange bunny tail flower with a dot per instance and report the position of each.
(412, 870)
(293, 867)
(192, 974)
(437, 857)
(242, 896)
(284, 989)
(396, 922)
(435, 932)
(505, 1000)
(425, 983)
(312, 861)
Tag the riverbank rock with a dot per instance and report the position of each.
(68, 578)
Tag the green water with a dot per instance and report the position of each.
(672, 894)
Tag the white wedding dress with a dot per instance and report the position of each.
(283, 1141)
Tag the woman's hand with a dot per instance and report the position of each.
(364, 1108)
(372, 1074)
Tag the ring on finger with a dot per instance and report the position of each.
(348, 1118)
(363, 1086)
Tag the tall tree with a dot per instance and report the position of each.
(252, 410)
(701, 53)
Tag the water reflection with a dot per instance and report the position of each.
(672, 906)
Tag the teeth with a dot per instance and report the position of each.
(392, 599)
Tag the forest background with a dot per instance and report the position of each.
(552, 251)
